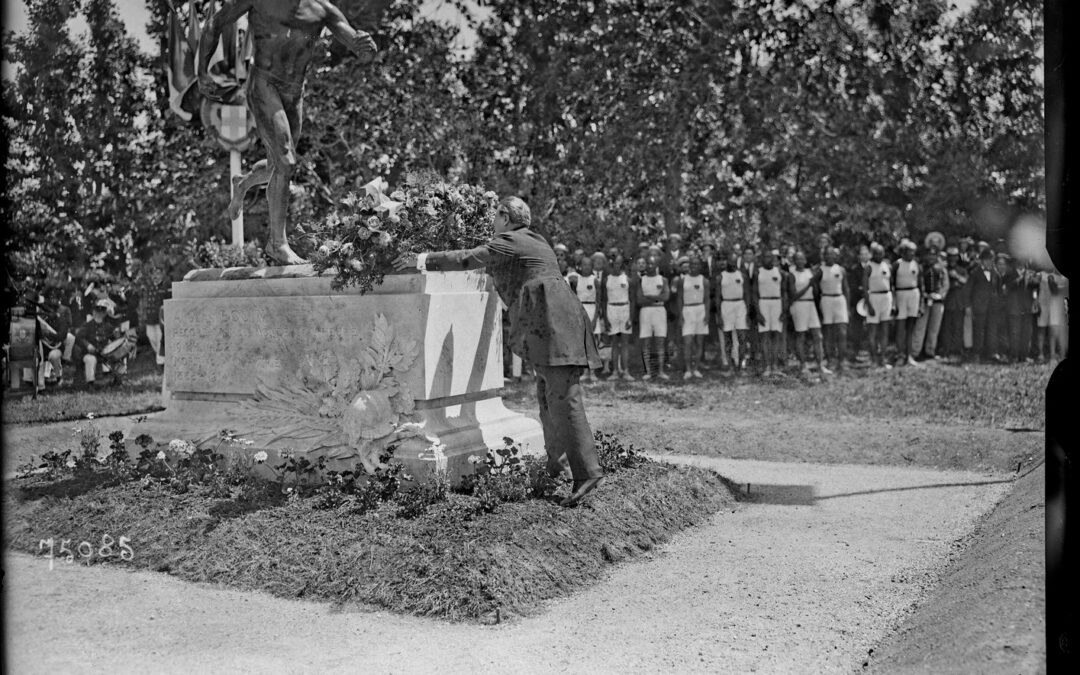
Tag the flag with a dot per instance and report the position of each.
(181, 67)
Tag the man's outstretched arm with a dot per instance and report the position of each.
(358, 41)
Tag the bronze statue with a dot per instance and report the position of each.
(285, 33)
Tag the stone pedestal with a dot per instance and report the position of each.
(279, 358)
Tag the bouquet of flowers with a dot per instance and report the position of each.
(363, 236)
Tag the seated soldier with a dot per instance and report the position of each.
(92, 338)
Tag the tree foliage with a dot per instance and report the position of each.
(745, 119)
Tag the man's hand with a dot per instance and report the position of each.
(760, 319)
(363, 45)
(405, 261)
(90, 349)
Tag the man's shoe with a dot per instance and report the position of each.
(581, 489)
(664, 376)
(698, 375)
(687, 375)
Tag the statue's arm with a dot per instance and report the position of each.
(358, 41)
(230, 11)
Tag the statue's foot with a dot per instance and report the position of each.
(236, 204)
(282, 254)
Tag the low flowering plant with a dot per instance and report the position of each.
(367, 232)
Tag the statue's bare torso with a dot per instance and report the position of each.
(286, 32)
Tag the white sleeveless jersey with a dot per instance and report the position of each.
(731, 285)
(907, 274)
(618, 288)
(652, 286)
(880, 274)
(768, 282)
(802, 280)
(693, 289)
(832, 279)
(586, 288)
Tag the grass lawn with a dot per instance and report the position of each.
(139, 393)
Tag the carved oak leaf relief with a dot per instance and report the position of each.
(342, 405)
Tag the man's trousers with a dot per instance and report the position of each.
(568, 439)
(927, 329)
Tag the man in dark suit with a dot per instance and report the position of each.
(548, 328)
(984, 288)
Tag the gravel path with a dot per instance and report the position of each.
(806, 578)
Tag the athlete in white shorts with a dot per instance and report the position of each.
(907, 284)
(877, 292)
(833, 286)
(770, 298)
(804, 313)
(734, 298)
(616, 314)
(694, 317)
(653, 292)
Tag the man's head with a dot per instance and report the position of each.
(952, 256)
(1003, 262)
(674, 241)
(799, 258)
(986, 258)
(599, 261)
(877, 252)
(564, 266)
(585, 267)
(99, 311)
(907, 250)
(732, 260)
(749, 253)
(617, 263)
(652, 261)
(641, 264)
(831, 255)
(561, 251)
(684, 264)
(513, 214)
(768, 258)
(697, 266)
(864, 255)
(824, 241)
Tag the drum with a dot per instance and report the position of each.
(117, 350)
(23, 343)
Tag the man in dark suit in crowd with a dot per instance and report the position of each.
(956, 303)
(984, 290)
(548, 328)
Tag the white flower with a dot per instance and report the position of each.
(410, 428)
(70, 463)
(161, 454)
(473, 459)
(260, 456)
(89, 416)
(180, 447)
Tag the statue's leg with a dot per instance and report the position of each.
(259, 175)
(272, 122)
